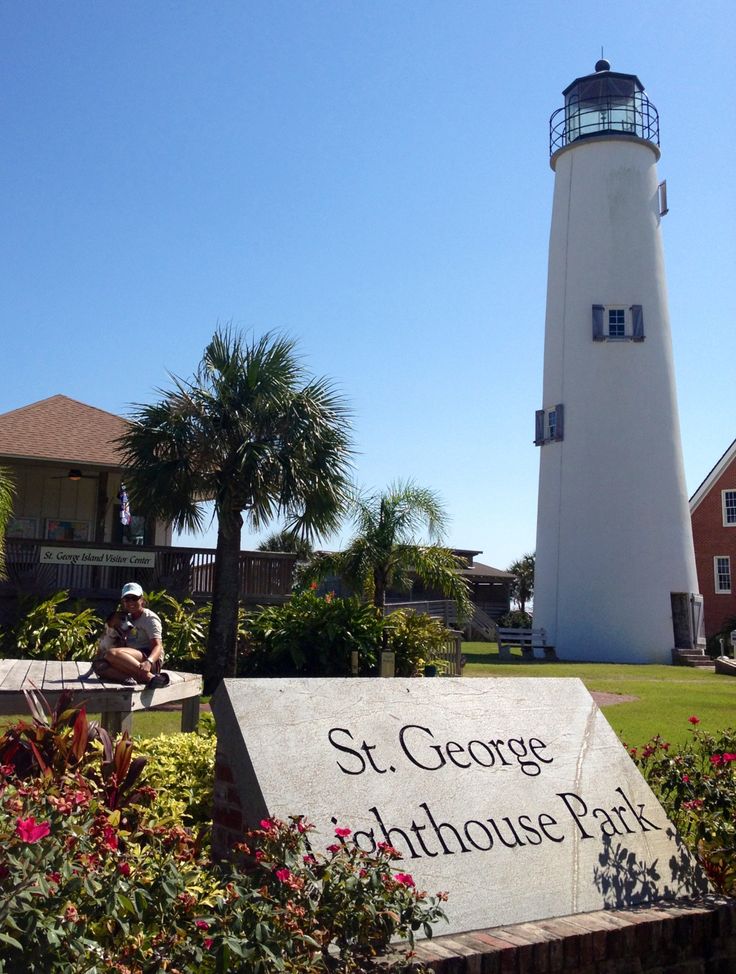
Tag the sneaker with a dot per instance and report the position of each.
(158, 681)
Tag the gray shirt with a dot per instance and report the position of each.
(145, 629)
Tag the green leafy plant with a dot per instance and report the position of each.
(313, 636)
(181, 768)
(48, 631)
(417, 639)
(516, 619)
(185, 626)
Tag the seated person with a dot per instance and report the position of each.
(139, 657)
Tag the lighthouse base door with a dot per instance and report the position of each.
(687, 620)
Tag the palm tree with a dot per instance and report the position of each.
(286, 540)
(386, 552)
(522, 584)
(251, 433)
(6, 509)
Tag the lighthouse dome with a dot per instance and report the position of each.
(604, 103)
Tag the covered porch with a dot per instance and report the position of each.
(96, 572)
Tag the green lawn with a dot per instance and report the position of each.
(666, 695)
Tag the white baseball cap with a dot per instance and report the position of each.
(132, 588)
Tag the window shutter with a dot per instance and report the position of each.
(637, 323)
(597, 322)
(560, 411)
(539, 427)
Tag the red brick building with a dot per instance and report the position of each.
(713, 513)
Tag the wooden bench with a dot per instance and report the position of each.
(526, 639)
(115, 703)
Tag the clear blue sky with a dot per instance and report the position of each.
(370, 177)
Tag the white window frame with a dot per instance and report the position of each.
(725, 507)
(717, 574)
(607, 322)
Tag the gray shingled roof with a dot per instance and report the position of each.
(63, 430)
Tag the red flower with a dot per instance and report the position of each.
(124, 868)
(335, 847)
(283, 875)
(729, 757)
(693, 720)
(208, 943)
(201, 925)
(404, 878)
(267, 824)
(313, 587)
(685, 778)
(28, 830)
(343, 833)
(309, 859)
(716, 759)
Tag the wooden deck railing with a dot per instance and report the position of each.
(182, 572)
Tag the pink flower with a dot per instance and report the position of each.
(308, 859)
(208, 943)
(716, 759)
(335, 847)
(124, 868)
(693, 720)
(404, 878)
(343, 833)
(109, 837)
(685, 778)
(201, 925)
(283, 875)
(729, 757)
(29, 830)
(267, 824)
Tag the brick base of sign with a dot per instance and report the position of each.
(695, 938)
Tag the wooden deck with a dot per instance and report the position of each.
(114, 702)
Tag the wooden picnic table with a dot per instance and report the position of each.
(115, 703)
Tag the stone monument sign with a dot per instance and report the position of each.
(513, 795)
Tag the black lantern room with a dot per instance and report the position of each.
(604, 103)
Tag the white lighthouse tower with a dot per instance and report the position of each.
(615, 567)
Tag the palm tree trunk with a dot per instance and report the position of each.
(221, 655)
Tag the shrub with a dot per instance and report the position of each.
(312, 636)
(181, 769)
(516, 620)
(697, 788)
(92, 880)
(416, 638)
(46, 631)
(185, 626)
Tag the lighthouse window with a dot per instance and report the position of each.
(722, 571)
(728, 498)
(616, 323)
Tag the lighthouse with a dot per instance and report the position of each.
(615, 573)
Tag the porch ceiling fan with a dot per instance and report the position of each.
(75, 474)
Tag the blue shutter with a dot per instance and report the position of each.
(598, 323)
(539, 427)
(560, 411)
(637, 323)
